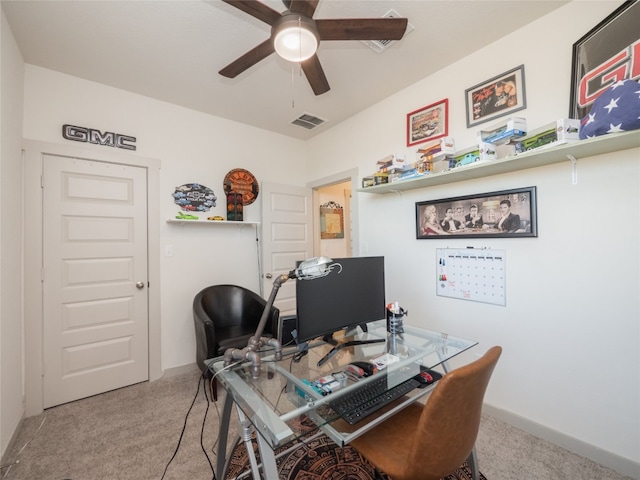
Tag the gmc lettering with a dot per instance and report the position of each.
(90, 135)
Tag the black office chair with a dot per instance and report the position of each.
(226, 316)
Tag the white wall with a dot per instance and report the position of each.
(11, 327)
(570, 329)
(192, 147)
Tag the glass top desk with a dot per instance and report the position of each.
(282, 406)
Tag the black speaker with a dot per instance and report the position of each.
(286, 327)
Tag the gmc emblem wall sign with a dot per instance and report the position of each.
(90, 135)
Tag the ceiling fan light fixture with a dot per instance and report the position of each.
(295, 38)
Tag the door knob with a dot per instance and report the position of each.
(140, 285)
(267, 275)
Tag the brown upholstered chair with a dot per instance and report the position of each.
(226, 316)
(431, 441)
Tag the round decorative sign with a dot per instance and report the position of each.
(242, 181)
(194, 197)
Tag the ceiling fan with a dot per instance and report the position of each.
(295, 36)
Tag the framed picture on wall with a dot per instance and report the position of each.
(331, 220)
(496, 97)
(506, 213)
(608, 53)
(428, 123)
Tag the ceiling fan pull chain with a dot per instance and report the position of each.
(293, 74)
(300, 38)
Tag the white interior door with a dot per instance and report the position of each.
(287, 236)
(95, 281)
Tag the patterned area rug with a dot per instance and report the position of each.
(321, 459)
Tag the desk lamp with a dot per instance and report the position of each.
(308, 270)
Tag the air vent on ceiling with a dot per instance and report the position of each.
(380, 46)
(308, 121)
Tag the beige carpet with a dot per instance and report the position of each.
(131, 433)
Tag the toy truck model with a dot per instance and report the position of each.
(537, 141)
(467, 159)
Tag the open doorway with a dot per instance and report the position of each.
(335, 193)
(334, 215)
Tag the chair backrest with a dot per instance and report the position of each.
(229, 315)
(228, 305)
(450, 419)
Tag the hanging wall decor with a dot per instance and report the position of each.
(428, 123)
(194, 197)
(607, 54)
(331, 221)
(496, 97)
(507, 213)
(242, 181)
(234, 207)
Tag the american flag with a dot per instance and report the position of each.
(616, 110)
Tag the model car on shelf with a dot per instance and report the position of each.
(468, 159)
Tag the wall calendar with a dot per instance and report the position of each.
(476, 274)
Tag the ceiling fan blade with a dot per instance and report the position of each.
(315, 74)
(306, 8)
(362, 28)
(256, 9)
(248, 60)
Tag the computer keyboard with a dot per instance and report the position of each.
(371, 397)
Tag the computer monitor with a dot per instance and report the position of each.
(349, 296)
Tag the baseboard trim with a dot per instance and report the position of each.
(5, 460)
(174, 371)
(620, 464)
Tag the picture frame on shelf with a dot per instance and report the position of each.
(496, 97)
(604, 56)
(428, 123)
(479, 215)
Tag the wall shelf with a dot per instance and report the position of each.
(211, 222)
(534, 158)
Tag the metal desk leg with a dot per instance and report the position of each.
(472, 460)
(225, 421)
(267, 455)
(246, 438)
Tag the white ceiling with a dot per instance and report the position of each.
(171, 50)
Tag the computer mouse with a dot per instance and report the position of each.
(425, 377)
(361, 369)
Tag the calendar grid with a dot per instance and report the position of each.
(476, 274)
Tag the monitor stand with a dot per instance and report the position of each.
(340, 345)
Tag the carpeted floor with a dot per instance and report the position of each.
(132, 434)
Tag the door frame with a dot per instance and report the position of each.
(340, 177)
(33, 152)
